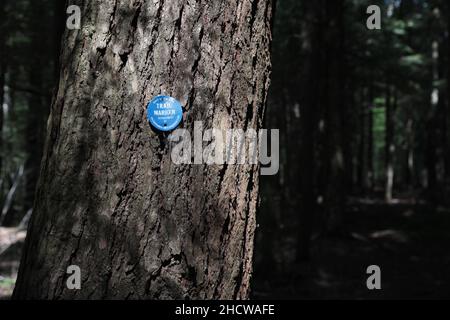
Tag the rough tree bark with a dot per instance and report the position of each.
(109, 198)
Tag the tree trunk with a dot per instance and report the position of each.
(2, 95)
(35, 118)
(2, 88)
(410, 165)
(362, 143)
(308, 124)
(447, 110)
(109, 198)
(389, 143)
(335, 187)
(432, 125)
(370, 178)
(59, 23)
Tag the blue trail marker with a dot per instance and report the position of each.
(164, 113)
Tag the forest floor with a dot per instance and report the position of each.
(408, 241)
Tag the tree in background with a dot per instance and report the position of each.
(356, 115)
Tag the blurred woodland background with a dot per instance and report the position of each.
(364, 121)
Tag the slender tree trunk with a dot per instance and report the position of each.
(2, 95)
(349, 125)
(432, 125)
(362, 141)
(447, 110)
(389, 143)
(109, 198)
(370, 143)
(308, 124)
(59, 23)
(370, 178)
(2, 88)
(409, 166)
(335, 189)
(306, 182)
(38, 105)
